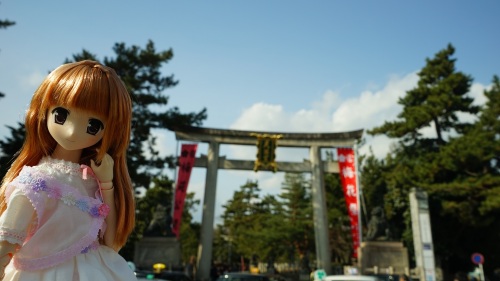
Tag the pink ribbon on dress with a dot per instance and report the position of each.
(86, 170)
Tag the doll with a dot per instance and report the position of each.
(66, 203)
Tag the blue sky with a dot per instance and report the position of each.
(298, 66)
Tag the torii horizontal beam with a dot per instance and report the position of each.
(240, 137)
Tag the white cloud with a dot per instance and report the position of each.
(330, 114)
(370, 108)
(477, 93)
(262, 117)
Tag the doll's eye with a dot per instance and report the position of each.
(60, 115)
(94, 126)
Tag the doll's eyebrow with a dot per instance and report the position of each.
(96, 118)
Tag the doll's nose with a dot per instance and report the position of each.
(70, 131)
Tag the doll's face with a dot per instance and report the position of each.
(74, 129)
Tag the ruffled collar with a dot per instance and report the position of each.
(62, 166)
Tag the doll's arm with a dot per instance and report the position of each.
(6, 252)
(104, 173)
(14, 224)
(109, 199)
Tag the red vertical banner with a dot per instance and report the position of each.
(186, 163)
(347, 167)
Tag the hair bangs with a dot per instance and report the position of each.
(85, 87)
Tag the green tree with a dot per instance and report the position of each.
(268, 232)
(190, 230)
(339, 222)
(10, 146)
(262, 240)
(470, 201)
(440, 94)
(457, 166)
(6, 23)
(160, 193)
(239, 220)
(298, 215)
(375, 176)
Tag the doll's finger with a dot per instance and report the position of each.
(107, 160)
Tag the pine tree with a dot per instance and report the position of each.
(441, 93)
(239, 218)
(298, 214)
(10, 147)
(457, 165)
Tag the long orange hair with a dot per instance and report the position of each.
(90, 86)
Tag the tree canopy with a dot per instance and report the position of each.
(279, 228)
(457, 165)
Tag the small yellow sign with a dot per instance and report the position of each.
(158, 267)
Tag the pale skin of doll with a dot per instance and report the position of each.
(74, 130)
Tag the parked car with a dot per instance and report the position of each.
(143, 275)
(173, 275)
(352, 278)
(162, 276)
(150, 279)
(242, 276)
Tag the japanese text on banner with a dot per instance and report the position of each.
(186, 163)
(347, 166)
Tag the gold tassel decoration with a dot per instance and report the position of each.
(266, 152)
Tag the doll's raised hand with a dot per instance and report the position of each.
(103, 171)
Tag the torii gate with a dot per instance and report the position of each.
(213, 162)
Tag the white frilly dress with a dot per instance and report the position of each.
(55, 214)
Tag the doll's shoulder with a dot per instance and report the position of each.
(30, 178)
(31, 175)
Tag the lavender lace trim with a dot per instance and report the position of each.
(32, 183)
(87, 243)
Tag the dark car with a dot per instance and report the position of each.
(143, 275)
(242, 276)
(163, 276)
(173, 276)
